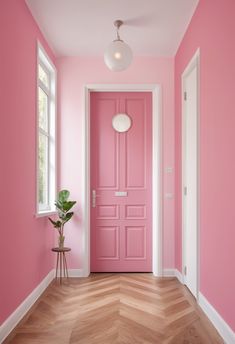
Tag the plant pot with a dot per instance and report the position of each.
(61, 241)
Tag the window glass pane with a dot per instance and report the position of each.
(43, 76)
(46, 134)
(43, 170)
(43, 109)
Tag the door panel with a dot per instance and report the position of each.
(106, 156)
(107, 212)
(107, 242)
(135, 211)
(135, 168)
(135, 242)
(121, 225)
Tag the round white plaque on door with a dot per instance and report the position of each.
(121, 122)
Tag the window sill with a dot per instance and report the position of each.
(45, 213)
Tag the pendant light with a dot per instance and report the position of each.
(118, 55)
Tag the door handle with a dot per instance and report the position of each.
(93, 201)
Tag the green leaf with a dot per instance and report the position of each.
(68, 205)
(63, 207)
(53, 222)
(68, 217)
(63, 196)
(56, 224)
(59, 205)
(62, 215)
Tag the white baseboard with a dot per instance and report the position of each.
(179, 276)
(168, 272)
(173, 273)
(11, 322)
(222, 327)
(76, 273)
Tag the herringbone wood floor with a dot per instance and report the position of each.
(116, 309)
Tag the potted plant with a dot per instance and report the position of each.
(63, 206)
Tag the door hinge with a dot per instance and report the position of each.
(185, 95)
(185, 190)
(185, 270)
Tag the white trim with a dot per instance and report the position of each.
(195, 62)
(44, 59)
(156, 175)
(11, 322)
(178, 275)
(157, 182)
(173, 273)
(76, 273)
(222, 327)
(220, 324)
(46, 213)
(168, 272)
(122, 87)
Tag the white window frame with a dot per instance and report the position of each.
(49, 68)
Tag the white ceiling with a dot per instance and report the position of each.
(85, 27)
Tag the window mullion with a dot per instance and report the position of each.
(44, 88)
(44, 68)
(43, 132)
(48, 171)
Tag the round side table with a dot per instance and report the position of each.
(61, 261)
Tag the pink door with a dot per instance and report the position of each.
(121, 183)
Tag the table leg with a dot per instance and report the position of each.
(57, 261)
(60, 267)
(64, 264)
(66, 268)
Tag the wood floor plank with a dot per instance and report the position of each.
(115, 308)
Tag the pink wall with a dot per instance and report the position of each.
(26, 241)
(212, 29)
(25, 257)
(76, 72)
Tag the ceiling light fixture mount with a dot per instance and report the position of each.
(118, 23)
(118, 55)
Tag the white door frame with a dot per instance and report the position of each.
(194, 63)
(155, 89)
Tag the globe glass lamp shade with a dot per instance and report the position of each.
(118, 56)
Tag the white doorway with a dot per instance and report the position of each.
(156, 169)
(190, 124)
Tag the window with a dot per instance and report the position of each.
(46, 134)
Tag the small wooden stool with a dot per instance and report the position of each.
(61, 259)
